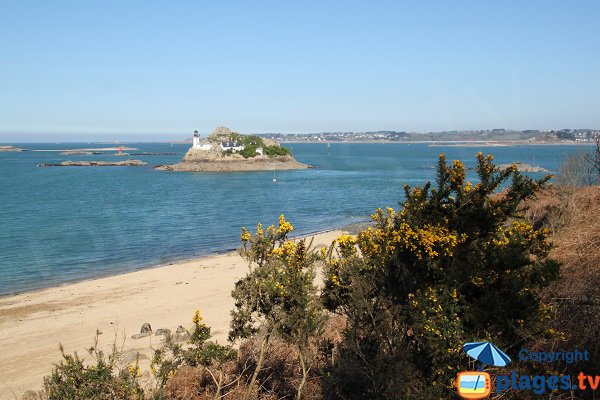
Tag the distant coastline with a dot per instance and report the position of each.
(448, 143)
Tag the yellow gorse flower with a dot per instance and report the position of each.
(334, 280)
(197, 317)
(457, 174)
(428, 241)
(245, 235)
(284, 226)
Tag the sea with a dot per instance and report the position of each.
(65, 224)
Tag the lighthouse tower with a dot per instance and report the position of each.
(197, 144)
(196, 140)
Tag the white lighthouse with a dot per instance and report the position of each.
(197, 144)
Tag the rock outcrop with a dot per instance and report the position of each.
(146, 330)
(522, 167)
(10, 148)
(163, 332)
(126, 163)
(215, 161)
(79, 153)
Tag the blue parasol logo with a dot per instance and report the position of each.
(487, 354)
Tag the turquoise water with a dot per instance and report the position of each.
(65, 224)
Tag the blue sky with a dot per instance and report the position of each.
(116, 69)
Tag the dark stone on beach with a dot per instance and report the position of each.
(146, 328)
(163, 332)
(181, 333)
(141, 335)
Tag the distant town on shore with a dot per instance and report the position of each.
(491, 135)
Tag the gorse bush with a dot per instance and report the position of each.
(197, 351)
(454, 264)
(75, 380)
(277, 297)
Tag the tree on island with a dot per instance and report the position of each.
(250, 142)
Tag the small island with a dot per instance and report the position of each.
(126, 163)
(227, 151)
(10, 149)
(522, 167)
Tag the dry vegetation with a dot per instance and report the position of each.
(279, 377)
(573, 215)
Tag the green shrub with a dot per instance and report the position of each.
(171, 356)
(249, 151)
(456, 263)
(273, 151)
(278, 296)
(72, 379)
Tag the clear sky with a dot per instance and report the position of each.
(106, 69)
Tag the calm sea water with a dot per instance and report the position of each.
(64, 224)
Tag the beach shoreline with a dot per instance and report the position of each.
(168, 261)
(34, 323)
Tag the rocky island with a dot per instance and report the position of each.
(227, 151)
(126, 163)
(80, 153)
(522, 167)
(10, 148)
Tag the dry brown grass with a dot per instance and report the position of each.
(573, 216)
(279, 378)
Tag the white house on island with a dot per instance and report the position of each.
(199, 144)
(233, 146)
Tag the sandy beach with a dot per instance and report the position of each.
(34, 323)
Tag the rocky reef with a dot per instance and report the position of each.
(80, 153)
(10, 148)
(126, 163)
(522, 167)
